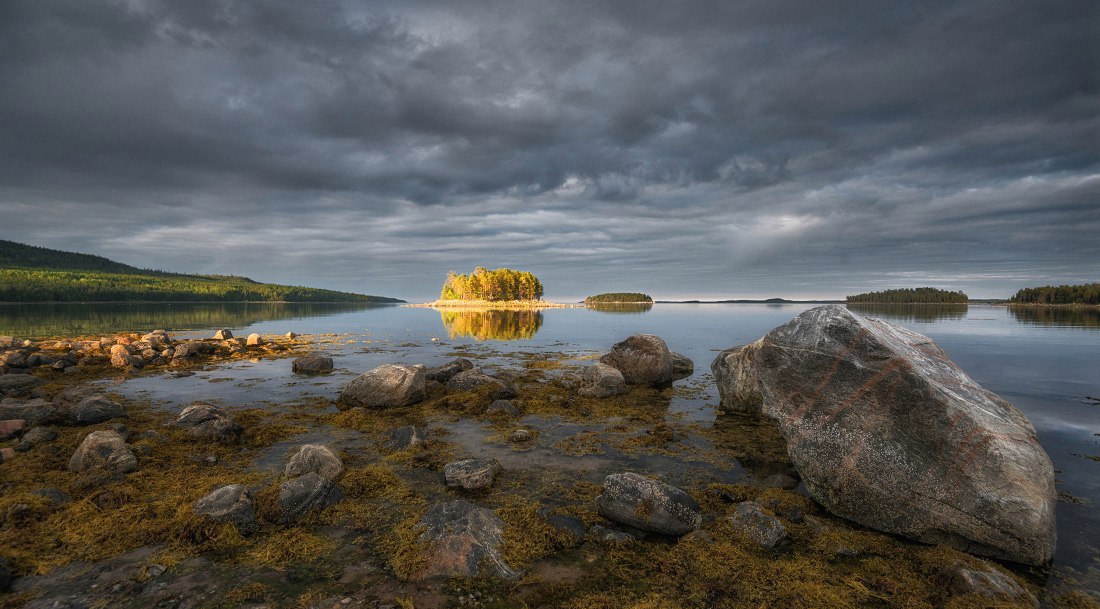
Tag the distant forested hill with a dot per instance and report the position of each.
(912, 296)
(38, 274)
(1087, 294)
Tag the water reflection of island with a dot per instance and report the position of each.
(492, 324)
(621, 307)
(910, 312)
(1080, 317)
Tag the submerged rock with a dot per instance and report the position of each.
(682, 366)
(643, 359)
(387, 386)
(231, 503)
(472, 474)
(104, 450)
(503, 408)
(404, 438)
(648, 504)
(303, 494)
(763, 529)
(314, 458)
(886, 431)
(447, 371)
(208, 422)
(602, 381)
(475, 379)
(465, 542)
(986, 583)
(314, 363)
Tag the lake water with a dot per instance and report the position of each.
(1045, 361)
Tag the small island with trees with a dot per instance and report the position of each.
(910, 296)
(501, 288)
(619, 298)
(1063, 295)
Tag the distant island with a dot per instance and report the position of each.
(910, 296)
(1086, 294)
(619, 298)
(37, 274)
(497, 289)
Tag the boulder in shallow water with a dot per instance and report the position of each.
(602, 381)
(465, 542)
(314, 363)
(301, 495)
(643, 359)
(255, 340)
(682, 366)
(223, 334)
(887, 431)
(476, 380)
(447, 371)
(208, 422)
(314, 458)
(404, 438)
(387, 386)
(231, 503)
(472, 474)
(648, 504)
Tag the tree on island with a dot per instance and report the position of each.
(911, 296)
(1087, 294)
(494, 286)
(617, 297)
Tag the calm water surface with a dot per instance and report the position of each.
(1046, 362)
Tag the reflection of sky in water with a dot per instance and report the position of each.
(1046, 370)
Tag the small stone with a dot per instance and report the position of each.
(291, 335)
(404, 438)
(602, 381)
(782, 481)
(35, 437)
(314, 363)
(231, 503)
(519, 436)
(987, 583)
(472, 474)
(763, 529)
(570, 530)
(303, 494)
(11, 428)
(105, 450)
(682, 366)
(92, 410)
(503, 408)
(6, 454)
(314, 458)
(254, 340)
(474, 379)
(447, 371)
(208, 422)
(223, 334)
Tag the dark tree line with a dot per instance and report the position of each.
(619, 297)
(1086, 294)
(483, 284)
(912, 295)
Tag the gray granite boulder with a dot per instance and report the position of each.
(444, 373)
(643, 359)
(602, 381)
(465, 542)
(404, 438)
(103, 450)
(988, 584)
(387, 386)
(504, 408)
(761, 528)
(648, 504)
(472, 474)
(314, 363)
(33, 412)
(17, 385)
(231, 503)
(314, 458)
(208, 422)
(682, 366)
(92, 410)
(475, 380)
(887, 431)
(301, 495)
(36, 437)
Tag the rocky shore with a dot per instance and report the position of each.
(111, 501)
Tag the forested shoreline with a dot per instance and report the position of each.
(911, 296)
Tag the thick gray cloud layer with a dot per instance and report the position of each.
(702, 149)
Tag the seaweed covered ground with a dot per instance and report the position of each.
(134, 540)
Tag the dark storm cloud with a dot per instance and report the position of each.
(713, 148)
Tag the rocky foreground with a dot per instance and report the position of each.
(109, 502)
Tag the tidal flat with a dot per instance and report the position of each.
(135, 539)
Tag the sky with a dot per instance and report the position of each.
(747, 149)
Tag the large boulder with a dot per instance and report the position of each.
(387, 386)
(314, 458)
(648, 504)
(103, 450)
(644, 359)
(208, 422)
(92, 410)
(314, 363)
(465, 542)
(472, 474)
(301, 495)
(231, 503)
(602, 381)
(887, 431)
(761, 528)
(475, 380)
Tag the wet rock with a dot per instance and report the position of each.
(7, 342)
(886, 431)
(53, 494)
(447, 371)
(32, 412)
(254, 340)
(643, 359)
(503, 408)
(291, 335)
(122, 358)
(103, 450)
(314, 363)
(570, 530)
(472, 474)
(13, 359)
(404, 438)
(6, 454)
(682, 366)
(16, 385)
(520, 436)
(647, 504)
(223, 334)
(157, 339)
(36, 437)
(300, 495)
(232, 504)
(987, 583)
(92, 410)
(314, 458)
(387, 386)
(465, 540)
(601, 381)
(6, 576)
(782, 481)
(613, 537)
(11, 428)
(474, 380)
(762, 528)
(208, 422)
